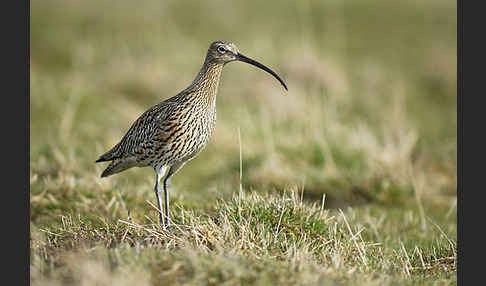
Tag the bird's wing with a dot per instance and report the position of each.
(142, 135)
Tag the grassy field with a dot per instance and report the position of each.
(350, 179)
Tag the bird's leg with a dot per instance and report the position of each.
(158, 193)
(166, 195)
(172, 170)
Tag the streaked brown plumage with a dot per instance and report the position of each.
(174, 131)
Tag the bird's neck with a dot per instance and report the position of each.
(207, 80)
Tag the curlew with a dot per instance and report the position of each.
(171, 133)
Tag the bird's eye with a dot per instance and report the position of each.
(221, 49)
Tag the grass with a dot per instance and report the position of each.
(251, 239)
(350, 179)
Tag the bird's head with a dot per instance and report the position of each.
(224, 52)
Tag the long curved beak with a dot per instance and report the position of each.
(246, 59)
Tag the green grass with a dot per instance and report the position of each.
(368, 124)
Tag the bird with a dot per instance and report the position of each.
(176, 130)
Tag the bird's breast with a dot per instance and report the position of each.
(187, 132)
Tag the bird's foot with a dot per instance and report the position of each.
(169, 229)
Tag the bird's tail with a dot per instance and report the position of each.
(108, 156)
(117, 166)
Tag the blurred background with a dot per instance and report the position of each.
(369, 118)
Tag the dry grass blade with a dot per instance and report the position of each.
(406, 265)
(451, 243)
(279, 221)
(353, 238)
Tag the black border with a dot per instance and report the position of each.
(471, 149)
(26, 52)
(459, 144)
(15, 139)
